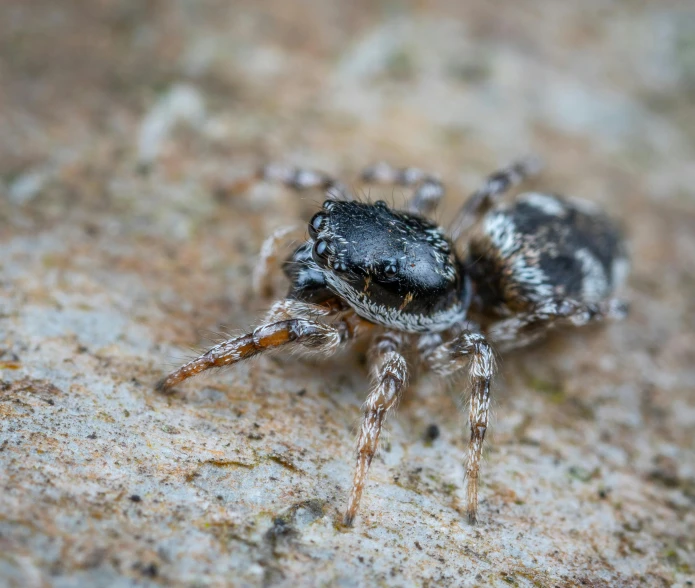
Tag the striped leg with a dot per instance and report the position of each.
(485, 197)
(473, 351)
(390, 375)
(303, 179)
(524, 329)
(428, 189)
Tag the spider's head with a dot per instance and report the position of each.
(393, 268)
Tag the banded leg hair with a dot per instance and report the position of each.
(304, 179)
(428, 189)
(390, 373)
(487, 195)
(526, 328)
(290, 322)
(470, 350)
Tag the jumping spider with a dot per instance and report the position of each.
(536, 263)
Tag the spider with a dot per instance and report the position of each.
(526, 266)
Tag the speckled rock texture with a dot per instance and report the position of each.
(125, 248)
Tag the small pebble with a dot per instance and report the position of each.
(432, 433)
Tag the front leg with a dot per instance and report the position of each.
(526, 328)
(391, 376)
(470, 350)
(306, 331)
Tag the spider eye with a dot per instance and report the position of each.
(321, 248)
(315, 224)
(381, 204)
(390, 268)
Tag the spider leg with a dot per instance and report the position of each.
(390, 373)
(526, 328)
(428, 189)
(300, 179)
(487, 195)
(271, 250)
(307, 332)
(472, 350)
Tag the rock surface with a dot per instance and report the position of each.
(124, 126)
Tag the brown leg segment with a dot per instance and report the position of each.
(311, 334)
(391, 375)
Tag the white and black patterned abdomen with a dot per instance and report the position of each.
(543, 247)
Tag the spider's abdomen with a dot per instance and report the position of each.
(543, 247)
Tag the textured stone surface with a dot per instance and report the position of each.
(122, 126)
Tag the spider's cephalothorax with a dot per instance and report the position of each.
(394, 269)
(539, 262)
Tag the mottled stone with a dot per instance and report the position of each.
(125, 241)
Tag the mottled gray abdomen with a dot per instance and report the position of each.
(543, 247)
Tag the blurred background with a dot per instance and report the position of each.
(124, 128)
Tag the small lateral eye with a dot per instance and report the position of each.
(390, 268)
(381, 204)
(315, 224)
(321, 248)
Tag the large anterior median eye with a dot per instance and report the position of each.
(390, 268)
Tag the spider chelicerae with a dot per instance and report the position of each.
(365, 269)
